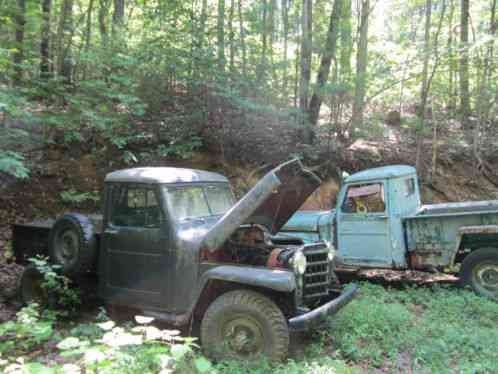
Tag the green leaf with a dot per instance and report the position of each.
(106, 326)
(178, 351)
(203, 365)
(69, 343)
(36, 368)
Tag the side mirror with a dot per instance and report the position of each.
(344, 175)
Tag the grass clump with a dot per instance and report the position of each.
(423, 329)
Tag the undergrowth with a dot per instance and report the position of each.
(421, 330)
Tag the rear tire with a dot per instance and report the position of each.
(72, 244)
(244, 325)
(31, 289)
(480, 272)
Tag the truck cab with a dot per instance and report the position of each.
(175, 245)
(371, 206)
(380, 222)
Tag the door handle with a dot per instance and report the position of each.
(111, 231)
(380, 217)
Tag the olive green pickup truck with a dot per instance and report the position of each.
(173, 244)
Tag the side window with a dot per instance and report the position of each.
(364, 198)
(134, 206)
(409, 187)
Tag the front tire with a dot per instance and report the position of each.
(244, 325)
(480, 272)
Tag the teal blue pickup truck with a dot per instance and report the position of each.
(379, 222)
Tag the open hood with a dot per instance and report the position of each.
(271, 202)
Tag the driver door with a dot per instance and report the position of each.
(134, 247)
(363, 226)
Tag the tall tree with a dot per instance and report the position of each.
(118, 18)
(285, 24)
(231, 38)
(346, 40)
(64, 40)
(220, 27)
(451, 59)
(464, 62)
(88, 32)
(202, 23)
(485, 96)
(361, 67)
(103, 29)
(425, 80)
(242, 41)
(45, 39)
(261, 73)
(20, 21)
(328, 54)
(306, 51)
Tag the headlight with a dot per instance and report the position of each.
(299, 262)
(331, 254)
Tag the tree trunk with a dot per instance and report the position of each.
(242, 41)
(464, 63)
(45, 40)
(18, 58)
(425, 79)
(296, 78)
(271, 27)
(264, 41)
(64, 39)
(221, 35)
(451, 59)
(306, 51)
(485, 98)
(231, 38)
(88, 33)
(118, 19)
(103, 14)
(202, 26)
(285, 24)
(361, 67)
(346, 40)
(327, 56)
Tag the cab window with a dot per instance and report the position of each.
(409, 187)
(364, 198)
(135, 206)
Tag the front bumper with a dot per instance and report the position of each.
(314, 317)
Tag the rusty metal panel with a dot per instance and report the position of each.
(433, 240)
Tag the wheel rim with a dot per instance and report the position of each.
(486, 278)
(67, 247)
(243, 336)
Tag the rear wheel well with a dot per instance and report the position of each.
(472, 242)
(216, 287)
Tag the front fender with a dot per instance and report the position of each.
(278, 280)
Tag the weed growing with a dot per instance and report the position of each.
(421, 330)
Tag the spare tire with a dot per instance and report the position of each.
(31, 288)
(73, 244)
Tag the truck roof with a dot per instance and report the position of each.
(163, 175)
(384, 172)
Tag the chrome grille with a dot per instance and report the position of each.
(317, 277)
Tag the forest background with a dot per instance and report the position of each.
(237, 86)
(256, 81)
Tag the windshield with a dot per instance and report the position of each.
(187, 202)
